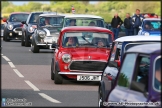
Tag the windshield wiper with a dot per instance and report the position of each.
(86, 40)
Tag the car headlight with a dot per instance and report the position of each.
(66, 58)
(10, 26)
(42, 34)
(147, 34)
(31, 29)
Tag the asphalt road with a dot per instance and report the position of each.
(25, 77)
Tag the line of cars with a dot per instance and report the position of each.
(85, 50)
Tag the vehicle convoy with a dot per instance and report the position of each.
(150, 27)
(81, 53)
(46, 31)
(139, 79)
(28, 28)
(13, 26)
(119, 47)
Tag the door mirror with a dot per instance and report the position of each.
(23, 22)
(118, 63)
(113, 64)
(137, 86)
(140, 27)
(54, 45)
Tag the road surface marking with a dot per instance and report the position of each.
(29, 49)
(32, 86)
(18, 73)
(11, 64)
(1, 54)
(49, 98)
(6, 58)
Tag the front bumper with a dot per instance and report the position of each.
(16, 33)
(79, 73)
(47, 42)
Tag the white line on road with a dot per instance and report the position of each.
(6, 58)
(18, 73)
(11, 64)
(1, 54)
(32, 86)
(29, 49)
(49, 98)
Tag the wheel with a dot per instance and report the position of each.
(100, 98)
(27, 42)
(58, 78)
(52, 69)
(22, 40)
(34, 47)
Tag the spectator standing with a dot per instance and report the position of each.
(128, 25)
(115, 24)
(137, 21)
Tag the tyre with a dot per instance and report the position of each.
(27, 44)
(22, 40)
(100, 97)
(34, 47)
(58, 78)
(52, 69)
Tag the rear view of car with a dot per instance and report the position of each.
(13, 26)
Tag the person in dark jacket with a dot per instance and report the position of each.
(137, 21)
(128, 25)
(115, 24)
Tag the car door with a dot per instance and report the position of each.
(139, 88)
(120, 91)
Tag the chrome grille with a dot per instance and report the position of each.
(87, 65)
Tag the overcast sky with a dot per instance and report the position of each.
(47, 2)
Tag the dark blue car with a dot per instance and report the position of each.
(13, 26)
(150, 27)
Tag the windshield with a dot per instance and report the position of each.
(34, 17)
(18, 17)
(152, 25)
(86, 39)
(84, 22)
(51, 21)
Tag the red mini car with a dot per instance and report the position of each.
(81, 53)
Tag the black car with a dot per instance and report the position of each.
(47, 31)
(28, 28)
(13, 26)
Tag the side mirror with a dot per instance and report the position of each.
(140, 27)
(137, 86)
(4, 20)
(113, 64)
(118, 63)
(23, 22)
(54, 45)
